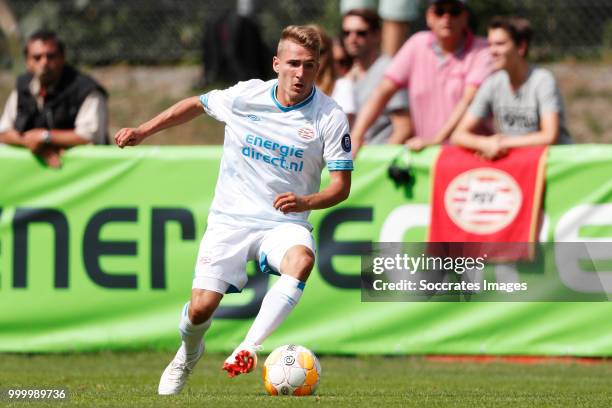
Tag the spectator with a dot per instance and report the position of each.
(397, 16)
(328, 80)
(233, 48)
(524, 99)
(342, 61)
(441, 69)
(361, 32)
(54, 106)
(326, 76)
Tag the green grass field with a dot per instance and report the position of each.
(130, 379)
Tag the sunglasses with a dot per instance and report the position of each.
(453, 10)
(359, 33)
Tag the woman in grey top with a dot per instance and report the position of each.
(524, 99)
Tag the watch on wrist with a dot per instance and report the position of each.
(46, 137)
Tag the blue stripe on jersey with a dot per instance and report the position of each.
(333, 165)
(292, 107)
(204, 100)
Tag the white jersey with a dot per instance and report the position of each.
(271, 149)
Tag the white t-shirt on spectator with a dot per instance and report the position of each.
(344, 95)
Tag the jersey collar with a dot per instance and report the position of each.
(464, 46)
(292, 107)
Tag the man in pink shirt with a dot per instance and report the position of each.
(441, 69)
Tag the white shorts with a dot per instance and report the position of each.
(225, 250)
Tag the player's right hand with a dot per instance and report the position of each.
(129, 137)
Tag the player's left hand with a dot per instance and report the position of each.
(290, 202)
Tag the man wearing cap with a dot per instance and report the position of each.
(441, 68)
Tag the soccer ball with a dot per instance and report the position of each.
(291, 370)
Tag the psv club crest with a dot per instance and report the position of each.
(483, 200)
(306, 133)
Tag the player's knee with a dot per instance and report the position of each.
(299, 263)
(202, 307)
(199, 313)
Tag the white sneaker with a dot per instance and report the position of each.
(175, 375)
(243, 360)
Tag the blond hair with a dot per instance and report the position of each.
(305, 36)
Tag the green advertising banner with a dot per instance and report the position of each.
(100, 255)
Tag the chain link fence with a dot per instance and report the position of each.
(100, 32)
(565, 27)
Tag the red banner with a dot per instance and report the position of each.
(476, 200)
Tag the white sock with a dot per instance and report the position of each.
(275, 307)
(191, 334)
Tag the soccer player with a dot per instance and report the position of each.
(278, 136)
